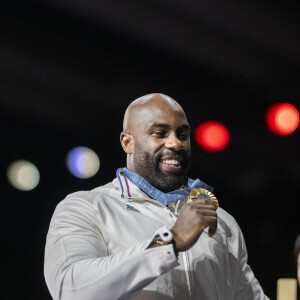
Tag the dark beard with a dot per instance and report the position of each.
(165, 182)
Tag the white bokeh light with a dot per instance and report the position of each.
(23, 175)
(83, 162)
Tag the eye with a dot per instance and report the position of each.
(159, 133)
(184, 136)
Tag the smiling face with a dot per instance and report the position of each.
(157, 141)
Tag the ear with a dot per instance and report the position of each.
(127, 142)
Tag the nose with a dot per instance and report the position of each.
(173, 143)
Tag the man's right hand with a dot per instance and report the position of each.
(193, 218)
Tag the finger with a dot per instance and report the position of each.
(202, 201)
(198, 203)
(204, 207)
(210, 221)
(207, 212)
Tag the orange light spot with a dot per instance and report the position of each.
(282, 118)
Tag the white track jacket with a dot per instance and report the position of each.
(97, 249)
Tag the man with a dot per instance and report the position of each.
(138, 237)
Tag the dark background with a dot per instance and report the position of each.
(68, 70)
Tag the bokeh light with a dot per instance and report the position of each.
(83, 162)
(282, 118)
(212, 136)
(23, 175)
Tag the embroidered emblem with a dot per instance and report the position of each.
(128, 207)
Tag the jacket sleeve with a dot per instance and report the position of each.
(247, 286)
(77, 264)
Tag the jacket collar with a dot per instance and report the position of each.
(131, 182)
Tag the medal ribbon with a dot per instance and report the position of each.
(164, 198)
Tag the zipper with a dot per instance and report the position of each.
(184, 254)
(186, 269)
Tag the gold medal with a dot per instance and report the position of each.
(199, 193)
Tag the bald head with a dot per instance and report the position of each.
(156, 139)
(138, 110)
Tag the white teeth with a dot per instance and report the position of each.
(171, 162)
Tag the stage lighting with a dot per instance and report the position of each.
(83, 162)
(23, 175)
(212, 136)
(282, 118)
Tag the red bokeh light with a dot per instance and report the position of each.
(212, 136)
(282, 118)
